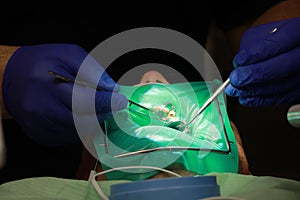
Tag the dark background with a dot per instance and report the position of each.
(270, 143)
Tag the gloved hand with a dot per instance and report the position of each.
(267, 65)
(41, 104)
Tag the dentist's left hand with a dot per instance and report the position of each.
(42, 105)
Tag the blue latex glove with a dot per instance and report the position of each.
(267, 65)
(41, 104)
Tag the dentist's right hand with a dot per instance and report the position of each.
(267, 65)
(42, 105)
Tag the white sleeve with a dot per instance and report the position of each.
(2, 145)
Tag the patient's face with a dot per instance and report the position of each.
(153, 77)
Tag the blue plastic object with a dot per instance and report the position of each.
(187, 188)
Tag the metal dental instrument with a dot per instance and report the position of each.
(210, 99)
(182, 126)
(85, 84)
